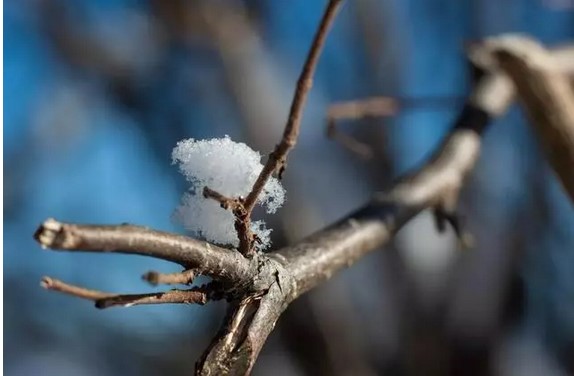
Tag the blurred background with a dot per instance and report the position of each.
(97, 93)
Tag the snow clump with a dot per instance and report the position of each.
(229, 168)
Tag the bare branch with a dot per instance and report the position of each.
(191, 296)
(374, 107)
(201, 256)
(249, 322)
(107, 300)
(277, 159)
(56, 285)
(227, 203)
(548, 99)
(361, 108)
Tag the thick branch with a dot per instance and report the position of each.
(201, 256)
(548, 99)
(107, 300)
(320, 256)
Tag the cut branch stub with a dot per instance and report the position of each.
(155, 278)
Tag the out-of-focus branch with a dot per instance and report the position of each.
(357, 109)
(375, 107)
(436, 183)
(544, 90)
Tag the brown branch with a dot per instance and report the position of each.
(358, 109)
(183, 278)
(373, 107)
(227, 203)
(277, 159)
(548, 99)
(201, 256)
(56, 285)
(106, 300)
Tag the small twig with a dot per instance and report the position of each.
(191, 296)
(107, 300)
(56, 285)
(348, 142)
(228, 203)
(277, 159)
(156, 278)
(375, 107)
(357, 109)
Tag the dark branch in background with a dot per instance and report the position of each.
(375, 107)
(358, 109)
(262, 286)
(278, 158)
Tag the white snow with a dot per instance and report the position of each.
(229, 168)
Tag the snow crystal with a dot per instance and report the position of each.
(229, 168)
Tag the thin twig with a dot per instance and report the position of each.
(168, 297)
(277, 159)
(107, 300)
(156, 278)
(228, 203)
(357, 109)
(80, 292)
(361, 108)
(376, 107)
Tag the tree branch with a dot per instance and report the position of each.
(375, 107)
(548, 99)
(106, 300)
(278, 158)
(204, 258)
